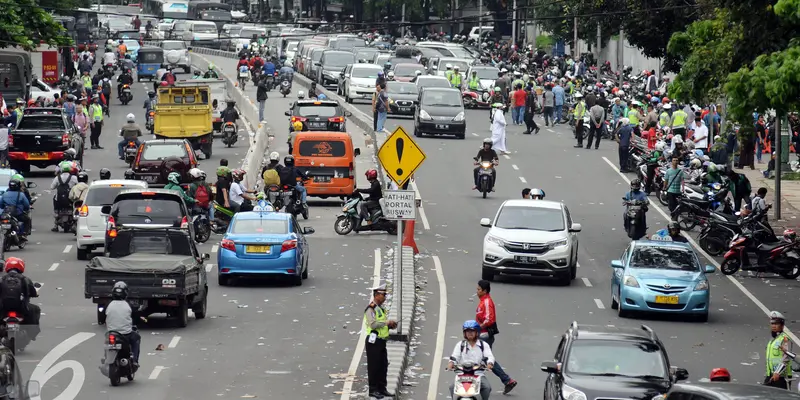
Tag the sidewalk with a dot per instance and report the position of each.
(790, 198)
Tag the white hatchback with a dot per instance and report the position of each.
(531, 237)
(91, 222)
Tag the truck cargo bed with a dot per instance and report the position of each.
(147, 276)
(182, 121)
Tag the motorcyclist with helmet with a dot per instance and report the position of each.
(105, 174)
(78, 192)
(269, 72)
(230, 114)
(19, 178)
(63, 184)
(16, 291)
(16, 198)
(241, 198)
(674, 232)
(289, 174)
(199, 179)
(174, 183)
(149, 102)
(473, 350)
(271, 172)
(486, 153)
(119, 318)
(636, 194)
(125, 78)
(719, 375)
(297, 126)
(130, 132)
(375, 192)
(286, 72)
(652, 165)
(211, 73)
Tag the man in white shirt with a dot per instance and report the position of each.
(700, 134)
(109, 58)
(473, 350)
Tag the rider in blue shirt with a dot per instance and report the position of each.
(14, 196)
(286, 72)
(269, 67)
(636, 194)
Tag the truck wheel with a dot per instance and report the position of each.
(182, 313)
(207, 151)
(200, 309)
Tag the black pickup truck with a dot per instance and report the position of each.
(41, 138)
(162, 268)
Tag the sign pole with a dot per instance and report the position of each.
(399, 272)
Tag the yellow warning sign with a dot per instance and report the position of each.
(400, 156)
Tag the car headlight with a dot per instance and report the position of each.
(424, 115)
(702, 285)
(629, 280)
(660, 397)
(496, 240)
(557, 243)
(570, 393)
(459, 117)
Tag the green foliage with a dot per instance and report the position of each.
(59, 5)
(555, 18)
(545, 41)
(24, 24)
(650, 31)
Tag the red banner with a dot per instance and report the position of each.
(50, 66)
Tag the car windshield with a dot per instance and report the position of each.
(616, 358)
(423, 81)
(407, 70)
(460, 52)
(531, 218)
(382, 59)
(487, 73)
(463, 66)
(323, 111)
(366, 54)
(202, 28)
(139, 210)
(4, 179)
(660, 257)
(172, 45)
(162, 151)
(41, 123)
(366, 72)
(401, 87)
(316, 55)
(339, 60)
(248, 33)
(104, 195)
(118, 24)
(260, 226)
(292, 46)
(131, 44)
(442, 98)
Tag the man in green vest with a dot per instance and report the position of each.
(96, 115)
(664, 119)
(448, 73)
(634, 116)
(474, 82)
(779, 370)
(578, 113)
(455, 78)
(377, 325)
(679, 118)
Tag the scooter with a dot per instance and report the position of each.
(202, 227)
(222, 217)
(243, 76)
(467, 383)
(229, 134)
(781, 257)
(131, 148)
(12, 234)
(633, 218)
(150, 123)
(485, 178)
(286, 87)
(14, 335)
(127, 95)
(349, 220)
(292, 202)
(117, 359)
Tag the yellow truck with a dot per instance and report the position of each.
(185, 112)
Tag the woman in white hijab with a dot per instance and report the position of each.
(499, 128)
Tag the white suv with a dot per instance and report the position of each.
(531, 237)
(91, 222)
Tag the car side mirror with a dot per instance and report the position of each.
(308, 230)
(205, 256)
(551, 367)
(105, 210)
(189, 48)
(30, 185)
(617, 264)
(288, 113)
(357, 152)
(317, 64)
(346, 75)
(681, 374)
(486, 222)
(341, 74)
(34, 389)
(575, 227)
(710, 269)
(348, 114)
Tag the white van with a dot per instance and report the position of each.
(202, 34)
(473, 33)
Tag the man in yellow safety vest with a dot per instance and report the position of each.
(377, 325)
(779, 370)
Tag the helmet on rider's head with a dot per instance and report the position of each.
(301, 94)
(695, 163)
(712, 168)
(119, 291)
(471, 325)
(677, 139)
(83, 177)
(636, 185)
(719, 375)
(14, 186)
(288, 160)
(371, 174)
(195, 173)
(211, 66)
(151, 94)
(537, 194)
(380, 73)
(70, 154)
(387, 65)
(790, 235)
(174, 177)
(488, 141)
(238, 174)
(129, 175)
(73, 168)
(105, 174)
(321, 96)
(65, 166)
(130, 118)
(774, 316)
(673, 228)
(19, 178)
(390, 75)
(15, 264)
(223, 170)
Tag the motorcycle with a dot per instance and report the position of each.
(781, 257)
(127, 95)
(243, 76)
(117, 359)
(292, 202)
(222, 217)
(286, 87)
(12, 234)
(131, 148)
(65, 219)
(108, 70)
(485, 178)
(229, 134)
(349, 219)
(150, 123)
(634, 218)
(467, 383)
(202, 227)
(476, 98)
(13, 334)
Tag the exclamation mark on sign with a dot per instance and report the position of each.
(399, 144)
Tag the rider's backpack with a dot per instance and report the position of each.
(62, 192)
(11, 289)
(201, 196)
(464, 346)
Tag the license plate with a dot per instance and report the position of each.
(37, 156)
(13, 328)
(114, 346)
(150, 178)
(525, 259)
(322, 179)
(667, 299)
(5, 226)
(442, 126)
(258, 249)
(405, 109)
(317, 124)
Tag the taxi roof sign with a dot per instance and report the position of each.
(400, 156)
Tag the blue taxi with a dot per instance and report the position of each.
(133, 48)
(263, 243)
(660, 276)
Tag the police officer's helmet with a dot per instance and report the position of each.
(83, 177)
(537, 194)
(775, 316)
(14, 186)
(288, 161)
(105, 174)
(120, 291)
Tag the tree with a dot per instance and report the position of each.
(649, 28)
(556, 17)
(59, 5)
(24, 24)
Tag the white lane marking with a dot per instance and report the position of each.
(433, 383)
(516, 168)
(68, 248)
(174, 342)
(508, 157)
(214, 248)
(708, 257)
(599, 304)
(550, 130)
(157, 370)
(577, 264)
(351, 372)
(53, 267)
(209, 267)
(422, 215)
(522, 180)
(48, 367)
(586, 282)
(474, 134)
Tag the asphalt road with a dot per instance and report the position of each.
(533, 314)
(261, 339)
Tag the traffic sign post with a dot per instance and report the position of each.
(400, 157)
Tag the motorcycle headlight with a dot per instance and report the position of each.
(496, 240)
(486, 164)
(702, 285)
(424, 115)
(570, 393)
(459, 117)
(630, 281)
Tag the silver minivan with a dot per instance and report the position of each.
(91, 231)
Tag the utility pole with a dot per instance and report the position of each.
(598, 45)
(403, 21)
(575, 52)
(620, 49)
(514, 23)
(534, 27)
(778, 165)
(480, 23)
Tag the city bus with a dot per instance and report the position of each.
(218, 13)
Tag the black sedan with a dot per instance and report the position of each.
(440, 111)
(402, 98)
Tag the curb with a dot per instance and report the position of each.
(399, 342)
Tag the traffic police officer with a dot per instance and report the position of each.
(455, 78)
(779, 370)
(377, 325)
